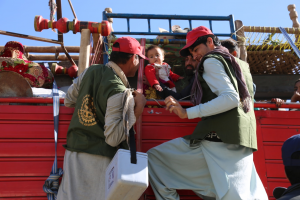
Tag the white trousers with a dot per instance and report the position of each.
(84, 177)
(213, 170)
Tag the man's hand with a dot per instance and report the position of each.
(158, 87)
(295, 97)
(173, 106)
(140, 102)
(277, 101)
(145, 80)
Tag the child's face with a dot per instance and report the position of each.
(155, 56)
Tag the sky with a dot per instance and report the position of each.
(18, 15)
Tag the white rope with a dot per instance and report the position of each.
(185, 97)
(157, 102)
(177, 100)
(237, 31)
(105, 52)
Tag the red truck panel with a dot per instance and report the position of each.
(27, 145)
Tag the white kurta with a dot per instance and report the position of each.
(213, 170)
(218, 81)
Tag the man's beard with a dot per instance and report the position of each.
(189, 70)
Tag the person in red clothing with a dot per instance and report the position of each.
(166, 76)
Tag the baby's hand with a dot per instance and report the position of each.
(181, 77)
(158, 87)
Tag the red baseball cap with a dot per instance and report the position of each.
(192, 36)
(129, 45)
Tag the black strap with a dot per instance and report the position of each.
(132, 146)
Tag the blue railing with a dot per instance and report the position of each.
(169, 18)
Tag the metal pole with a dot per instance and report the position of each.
(29, 37)
(105, 51)
(72, 9)
(28, 100)
(59, 15)
(210, 25)
(232, 27)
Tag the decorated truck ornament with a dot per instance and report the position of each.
(71, 71)
(64, 25)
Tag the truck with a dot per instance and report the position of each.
(27, 145)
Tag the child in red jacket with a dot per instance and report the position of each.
(156, 58)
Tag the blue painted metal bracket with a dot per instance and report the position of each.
(106, 15)
(158, 33)
(287, 37)
(170, 18)
(105, 51)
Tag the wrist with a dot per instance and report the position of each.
(184, 114)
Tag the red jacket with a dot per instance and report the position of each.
(151, 75)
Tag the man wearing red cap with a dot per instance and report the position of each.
(216, 161)
(101, 96)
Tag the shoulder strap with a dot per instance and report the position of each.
(132, 145)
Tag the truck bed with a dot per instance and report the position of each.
(27, 145)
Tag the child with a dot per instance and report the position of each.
(156, 58)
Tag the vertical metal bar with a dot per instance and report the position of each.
(105, 50)
(58, 16)
(232, 27)
(128, 25)
(190, 23)
(149, 26)
(210, 25)
(140, 90)
(170, 26)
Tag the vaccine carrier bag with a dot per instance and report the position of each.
(126, 177)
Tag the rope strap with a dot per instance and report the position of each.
(237, 31)
(52, 183)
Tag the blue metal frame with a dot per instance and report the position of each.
(106, 15)
(105, 52)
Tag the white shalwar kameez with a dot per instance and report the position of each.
(213, 170)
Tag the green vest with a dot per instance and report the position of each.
(233, 126)
(86, 130)
(182, 83)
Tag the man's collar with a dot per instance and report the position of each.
(119, 72)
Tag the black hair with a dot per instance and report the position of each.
(119, 57)
(154, 47)
(231, 45)
(293, 172)
(203, 40)
(297, 81)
